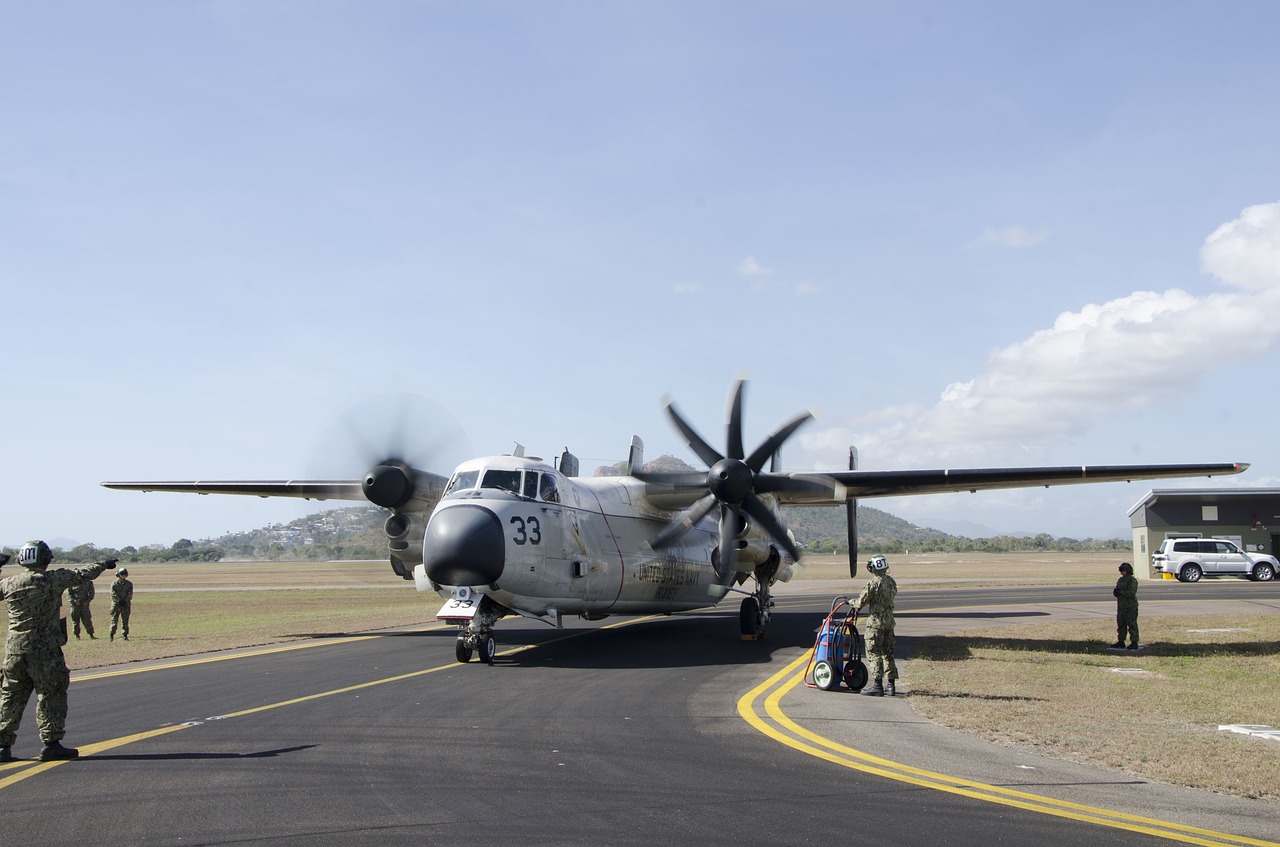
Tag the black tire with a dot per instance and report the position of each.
(855, 675)
(1190, 572)
(749, 618)
(825, 676)
(1263, 572)
(488, 649)
(462, 652)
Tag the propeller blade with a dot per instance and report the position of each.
(704, 450)
(771, 444)
(760, 513)
(820, 484)
(729, 521)
(668, 482)
(734, 440)
(680, 527)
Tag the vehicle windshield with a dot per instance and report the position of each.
(505, 480)
(462, 481)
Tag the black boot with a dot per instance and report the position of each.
(6, 755)
(876, 689)
(1119, 645)
(54, 751)
(889, 690)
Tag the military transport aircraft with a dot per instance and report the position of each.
(513, 535)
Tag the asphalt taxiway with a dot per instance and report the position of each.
(627, 731)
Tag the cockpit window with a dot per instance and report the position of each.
(549, 492)
(462, 481)
(530, 485)
(505, 480)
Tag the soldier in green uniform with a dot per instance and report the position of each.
(33, 659)
(1126, 594)
(81, 596)
(121, 604)
(878, 596)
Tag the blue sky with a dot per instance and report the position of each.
(964, 234)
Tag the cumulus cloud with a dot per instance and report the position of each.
(749, 267)
(1122, 353)
(1011, 236)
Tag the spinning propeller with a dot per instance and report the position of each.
(734, 483)
(392, 438)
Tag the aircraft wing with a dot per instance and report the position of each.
(859, 484)
(321, 489)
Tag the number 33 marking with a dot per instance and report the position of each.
(528, 530)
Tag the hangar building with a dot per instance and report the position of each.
(1248, 516)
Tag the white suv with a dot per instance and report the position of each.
(1191, 558)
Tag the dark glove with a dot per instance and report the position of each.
(110, 564)
(4, 559)
(1115, 592)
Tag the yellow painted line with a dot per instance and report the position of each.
(787, 731)
(265, 651)
(25, 768)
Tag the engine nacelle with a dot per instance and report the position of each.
(405, 532)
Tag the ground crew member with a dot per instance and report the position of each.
(878, 596)
(33, 659)
(1126, 594)
(121, 604)
(81, 596)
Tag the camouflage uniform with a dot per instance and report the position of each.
(81, 596)
(1126, 592)
(33, 659)
(121, 605)
(878, 596)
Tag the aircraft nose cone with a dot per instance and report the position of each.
(464, 545)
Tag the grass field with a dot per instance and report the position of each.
(1042, 685)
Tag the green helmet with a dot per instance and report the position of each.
(878, 564)
(35, 554)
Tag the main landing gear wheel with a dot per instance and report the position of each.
(461, 651)
(825, 676)
(488, 648)
(855, 675)
(750, 619)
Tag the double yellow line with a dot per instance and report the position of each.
(760, 707)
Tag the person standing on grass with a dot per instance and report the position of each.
(878, 595)
(80, 597)
(1126, 594)
(121, 604)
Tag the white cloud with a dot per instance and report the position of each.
(1120, 354)
(750, 267)
(686, 287)
(804, 288)
(1012, 236)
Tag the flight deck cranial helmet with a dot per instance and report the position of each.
(1125, 567)
(122, 572)
(35, 554)
(878, 564)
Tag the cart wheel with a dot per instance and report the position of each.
(825, 676)
(855, 675)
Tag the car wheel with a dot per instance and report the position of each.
(1262, 572)
(1190, 573)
